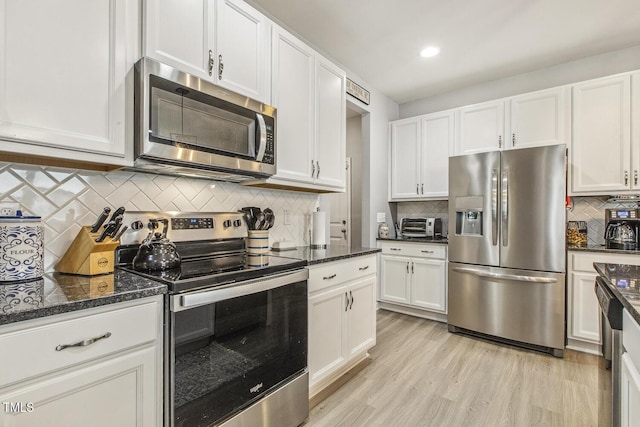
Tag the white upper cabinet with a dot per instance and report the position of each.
(63, 67)
(308, 92)
(481, 128)
(529, 120)
(601, 149)
(539, 118)
(223, 41)
(419, 158)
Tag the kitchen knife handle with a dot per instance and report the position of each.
(121, 232)
(118, 212)
(106, 231)
(101, 219)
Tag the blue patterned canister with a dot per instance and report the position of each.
(21, 247)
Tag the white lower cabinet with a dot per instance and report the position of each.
(583, 311)
(413, 278)
(630, 372)
(116, 380)
(342, 317)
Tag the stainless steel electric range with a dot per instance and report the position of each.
(235, 323)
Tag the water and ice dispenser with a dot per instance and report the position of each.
(469, 213)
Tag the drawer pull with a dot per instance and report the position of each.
(83, 343)
(329, 277)
(363, 268)
(351, 304)
(427, 252)
(395, 249)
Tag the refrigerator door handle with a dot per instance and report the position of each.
(494, 206)
(518, 277)
(505, 208)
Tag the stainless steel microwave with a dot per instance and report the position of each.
(185, 125)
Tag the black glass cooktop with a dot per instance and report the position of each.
(216, 271)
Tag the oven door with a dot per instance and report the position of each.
(231, 346)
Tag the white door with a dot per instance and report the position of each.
(539, 118)
(63, 66)
(584, 320)
(395, 276)
(428, 284)
(293, 96)
(437, 145)
(600, 151)
(181, 33)
(481, 128)
(331, 138)
(362, 315)
(340, 216)
(327, 333)
(242, 49)
(405, 158)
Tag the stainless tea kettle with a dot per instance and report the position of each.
(157, 252)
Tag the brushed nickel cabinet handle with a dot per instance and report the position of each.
(351, 295)
(210, 62)
(329, 277)
(417, 189)
(499, 141)
(407, 268)
(427, 252)
(220, 67)
(83, 343)
(513, 139)
(395, 249)
(317, 169)
(346, 297)
(422, 188)
(626, 177)
(635, 177)
(363, 268)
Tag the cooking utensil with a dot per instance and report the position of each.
(118, 212)
(101, 219)
(259, 221)
(270, 218)
(157, 252)
(116, 228)
(108, 229)
(121, 232)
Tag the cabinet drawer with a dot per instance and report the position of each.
(35, 350)
(414, 250)
(333, 273)
(581, 261)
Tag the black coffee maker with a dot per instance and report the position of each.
(622, 227)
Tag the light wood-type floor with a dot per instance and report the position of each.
(422, 375)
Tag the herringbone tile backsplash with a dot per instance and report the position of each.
(68, 199)
(591, 210)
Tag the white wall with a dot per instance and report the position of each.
(570, 72)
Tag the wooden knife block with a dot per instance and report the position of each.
(87, 257)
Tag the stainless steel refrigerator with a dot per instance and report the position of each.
(507, 246)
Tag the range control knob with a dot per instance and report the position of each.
(137, 225)
(237, 223)
(226, 223)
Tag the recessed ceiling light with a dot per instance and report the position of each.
(430, 51)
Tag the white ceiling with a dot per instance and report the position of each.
(480, 40)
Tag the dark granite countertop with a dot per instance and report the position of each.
(442, 241)
(624, 282)
(57, 293)
(319, 256)
(601, 248)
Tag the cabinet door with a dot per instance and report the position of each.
(394, 279)
(330, 141)
(181, 33)
(600, 151)
(630, 393)
(481, 128)
(327, 333)
(63, 66)
(405, 159)
(584, 311)
(120, 391)
(293, 96)
(428, 284)
(635, 130)
(539, 118)
(361, 321)
(242, 49)
(437, 145)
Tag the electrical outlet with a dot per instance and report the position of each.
(285, 217)
(9, 209)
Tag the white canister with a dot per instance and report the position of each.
(21, 248)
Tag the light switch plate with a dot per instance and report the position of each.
(382, 217)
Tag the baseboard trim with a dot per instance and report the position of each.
(333, 386)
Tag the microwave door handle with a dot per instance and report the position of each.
(263, 137)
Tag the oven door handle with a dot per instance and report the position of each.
(196, 299)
